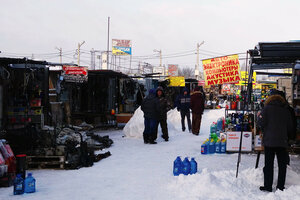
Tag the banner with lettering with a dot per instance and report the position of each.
(221, 70)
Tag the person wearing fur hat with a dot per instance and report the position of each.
(165, 106)
(276, 123)
(183, 103)
(150, 107)
(197, 106)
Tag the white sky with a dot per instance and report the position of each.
(226, 26)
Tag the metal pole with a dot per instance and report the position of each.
(241, 138)
(108, 41)
(78, 51)
(160, 58)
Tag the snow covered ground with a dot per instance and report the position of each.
(137, 171)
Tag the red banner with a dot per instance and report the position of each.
(73, 70)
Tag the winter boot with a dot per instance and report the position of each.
(265, 189)
(146, 138)
(152, 139)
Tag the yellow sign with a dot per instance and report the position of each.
(244, 78)
(288, 70)
(177, 81)
(221, 70)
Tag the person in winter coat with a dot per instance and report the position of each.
(165, 106)
(151, 109)
(183, 104)
(197, 106)
(276, 123)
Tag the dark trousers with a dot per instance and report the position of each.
(282, 159)
(196, 121)
(187, 115)
(164, 128)
(150, 129)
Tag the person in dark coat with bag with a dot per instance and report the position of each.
(183, 104)
(197, 107)
(151, 108)
(276, 123)
(165, 106)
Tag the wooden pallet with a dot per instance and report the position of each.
(46, 162)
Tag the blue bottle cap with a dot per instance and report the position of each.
(29, 174)
(18, 175)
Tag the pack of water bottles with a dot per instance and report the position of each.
(26, 185)
(216, 143)
(184, 167)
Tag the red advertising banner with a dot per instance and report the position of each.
(221, 70)
(69, 70)
(75, 74)
(173, 70)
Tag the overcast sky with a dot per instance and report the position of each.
(225, 26)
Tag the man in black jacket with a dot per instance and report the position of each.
(151, 108)
(183, 104)
(276, 123)
(165, 106)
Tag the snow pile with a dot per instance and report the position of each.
(223, 184)
(135, 127)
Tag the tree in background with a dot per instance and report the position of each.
(187, 72)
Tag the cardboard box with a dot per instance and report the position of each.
(258, 143)
(233, 141)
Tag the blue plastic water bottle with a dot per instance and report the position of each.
(29, 184)
(212, 146)
(186, 166)
(218, 146)
(193, 166)
(18, 185)
(177, 166)
(223, 146)
(204, 148)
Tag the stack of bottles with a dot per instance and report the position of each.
(238, 121)
(214, 143)
(22, 186)
(184, 167)
(211, 146)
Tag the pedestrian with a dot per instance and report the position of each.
(197, 107)
(276, 123)
(151, 109)
(183, 104)
(165, 106)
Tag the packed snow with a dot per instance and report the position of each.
(142, 171)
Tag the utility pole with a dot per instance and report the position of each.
(92, 58)
(160, 58)
(78, 52)
(197, 74)
(108, 40)
(60, 54)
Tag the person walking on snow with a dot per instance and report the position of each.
(277, 127)
(197, 106)
(162, 117)
(151, 109)
(183, 104)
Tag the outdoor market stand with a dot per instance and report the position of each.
(281, 55)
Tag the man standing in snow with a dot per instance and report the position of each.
(197, 106)
(183, 105)
(151, 109)
(165, 106)
(276, 123)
